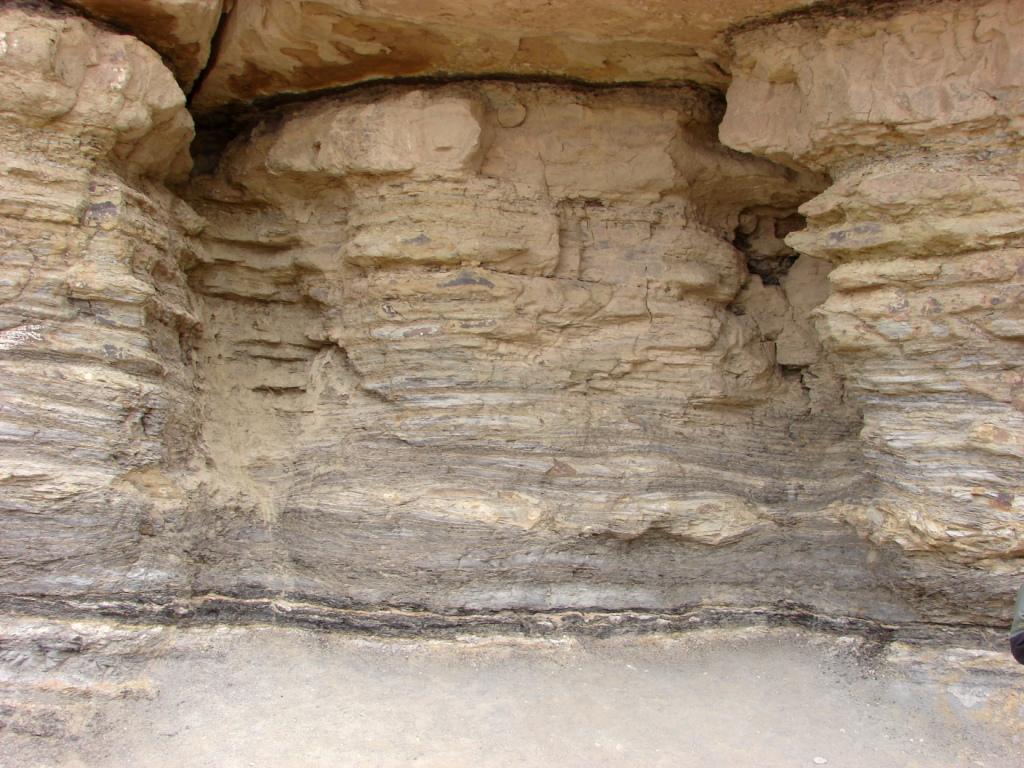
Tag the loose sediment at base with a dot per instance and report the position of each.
(100, 694)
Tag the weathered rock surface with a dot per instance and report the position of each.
(94, 310)
(918, 118)
(492, 345)
(490, 332)
(270, 47)
(180, 30)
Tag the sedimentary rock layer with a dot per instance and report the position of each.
(270, 47)
(94, 310)
(498, 345)
(918, 119)
(484, 346)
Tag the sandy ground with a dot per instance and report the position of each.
(759, 698)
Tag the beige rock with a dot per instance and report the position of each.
(180, 30)
(492, 345)
(427, 137)
(518, 355)
(825, 93)
(918, 119)
(95, 314)
(110, 88)
(783, 314)
(269, 47)
(712, 519)
(439, 225)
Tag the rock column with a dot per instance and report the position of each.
(95, 315)
(918, 118)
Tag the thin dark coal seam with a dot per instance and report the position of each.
(441, 78)
(826, 10)
(214, 608)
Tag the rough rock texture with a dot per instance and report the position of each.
(180, 30)
(478, 346)
(920, 121)
(509, 346)
(270, 47)
(94, 310)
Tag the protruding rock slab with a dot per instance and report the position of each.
(274, 47)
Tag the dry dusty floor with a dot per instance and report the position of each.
(227, 697)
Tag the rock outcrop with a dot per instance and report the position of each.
(499, 344)
(270, 47)
(94, 310)
(919, 119)
(479, 346)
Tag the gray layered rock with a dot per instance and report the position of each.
(98, 389)
(917, 118)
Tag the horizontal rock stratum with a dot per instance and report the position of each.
(267, 48)
(455, 308)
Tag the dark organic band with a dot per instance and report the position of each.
(1017, 647)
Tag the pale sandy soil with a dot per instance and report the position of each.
(760, 698)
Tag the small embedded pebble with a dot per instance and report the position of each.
(820, 761)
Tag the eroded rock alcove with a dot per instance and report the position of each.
(613, 319)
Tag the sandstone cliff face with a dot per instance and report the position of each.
(504, 345)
